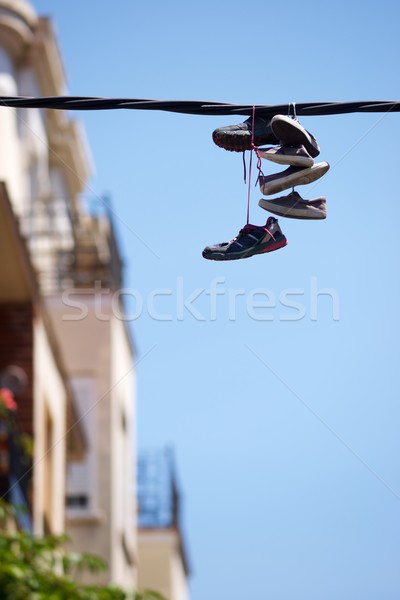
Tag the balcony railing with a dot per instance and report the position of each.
(158, 496)
(72, 246)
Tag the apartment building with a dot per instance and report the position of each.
(59, 257)
(65, 347)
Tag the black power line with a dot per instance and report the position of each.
(198, 107)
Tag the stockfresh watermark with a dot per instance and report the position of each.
(210, 303)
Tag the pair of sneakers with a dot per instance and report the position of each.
(265, 130)
(294, 146)
(298, 148)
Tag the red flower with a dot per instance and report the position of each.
(7, 399)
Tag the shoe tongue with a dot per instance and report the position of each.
(269, 222)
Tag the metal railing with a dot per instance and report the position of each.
(158, 496)
(72, 247)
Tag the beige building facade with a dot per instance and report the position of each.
(62, 321)
(80, 401)
(29, 352)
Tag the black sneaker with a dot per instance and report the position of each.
(252, 239)
(289, 131)
(237, 138)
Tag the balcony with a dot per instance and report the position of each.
(158, 497)
(163, 562)
(71, 245)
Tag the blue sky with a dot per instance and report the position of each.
(285, 428)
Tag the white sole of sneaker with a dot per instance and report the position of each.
(292, 212)
(300, 178)
(294, 161)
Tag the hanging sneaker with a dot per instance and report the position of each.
(289, 131)
(296, 156)
(237, 138)
(271, 184)
(252, 239)
(294, 206)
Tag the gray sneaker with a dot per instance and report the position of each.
(294, 206)
(289, 131)
(296, 156)
(271, 184)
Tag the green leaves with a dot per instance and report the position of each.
(40, 568)
(148, 595)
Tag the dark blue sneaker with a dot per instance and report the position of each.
(252, 239)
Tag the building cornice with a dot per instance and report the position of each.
(45, 57)
(20, 9)
(16, 36)
(31, 41)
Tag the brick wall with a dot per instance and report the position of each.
(16, 348)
